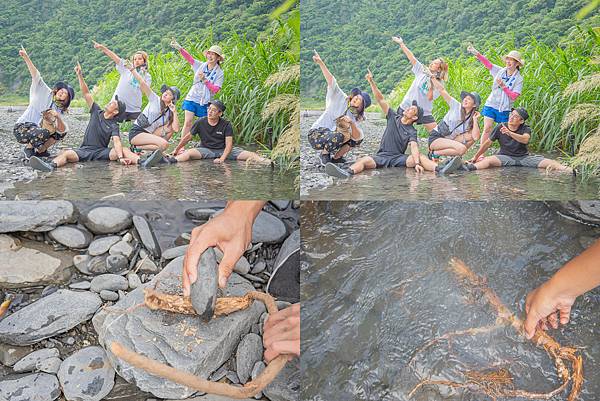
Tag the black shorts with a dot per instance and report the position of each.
(384, 160)
(131, 116)
(433, 135)
(136, 130)
(88, 154)
(423, 120)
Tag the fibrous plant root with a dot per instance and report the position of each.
(178, 304)
(499, 383)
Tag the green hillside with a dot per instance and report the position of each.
(350, 35)
(58, 33)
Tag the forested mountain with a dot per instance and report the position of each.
(57, 33)
(353, 35)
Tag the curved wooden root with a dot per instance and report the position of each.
(178, 304)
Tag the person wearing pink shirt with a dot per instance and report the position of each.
(208, 80)
(507, 86)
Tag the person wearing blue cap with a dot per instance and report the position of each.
(41, 125)
(459, 129)
(513, 137)
(399, 134)
(102, 127)
(336, 131)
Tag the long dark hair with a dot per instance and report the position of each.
(464, 116)
(165, 109)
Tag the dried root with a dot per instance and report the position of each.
(178, 304)
(500, 383)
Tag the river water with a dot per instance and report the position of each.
(376, 287)
(512, 183)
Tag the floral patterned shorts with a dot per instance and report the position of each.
(331, 141)
(31, 133)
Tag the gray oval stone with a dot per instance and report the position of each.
(107, 220)
(116, 264)
(86, 375)
(71, 236)
(109, 295)
(102, 245)
(111, 282)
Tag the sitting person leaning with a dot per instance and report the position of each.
(216, 140)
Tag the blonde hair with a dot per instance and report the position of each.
(142, 53)
(443, 69)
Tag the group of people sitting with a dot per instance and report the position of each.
(338, 129)
(42, 124)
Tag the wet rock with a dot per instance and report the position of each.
(134, 281)
(33, 264)
(122, 248)
(147, 266)
(101, 245)
(50, 365)
(178, 340)
(586, 212)
(268, 229)
(249, 351)
(286, 385)
(199, 214)
(183, 239)
(97, 265)
(259, 267)
(81, 285)
(281, 204)
(116, 264)
(109, 295)
(176, 252)
(9, 354)
(107, 220)
(241, 266)
(86, 375)
(147, 236)
(111, 282)
(29, 362)
(37, 386)
(35, 215)
(49, 316)
(71, 236)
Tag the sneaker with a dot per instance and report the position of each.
(152, 160)
(433, 156)
(325, 158)
(337, 171)
(38, 164)
(27, 152)
(450, 166)
(170, 160)
(339, 160)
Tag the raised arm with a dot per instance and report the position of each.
(411, 57)
(32, 70)
(486, 63)
(108, 52)
(89, 100)
(146, 90)
(443, 92)
(182, 51)
(328, 75)
(378, 95)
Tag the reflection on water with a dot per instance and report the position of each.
(194, 180)
(376, 287)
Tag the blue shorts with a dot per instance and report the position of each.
(498, 116)
(198, 109)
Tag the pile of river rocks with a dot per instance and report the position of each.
(76, 282)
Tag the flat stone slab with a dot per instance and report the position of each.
(86, 375)
(147, 235)
(180, 341)
(35, 215)
(29, 362)
(51, 315)
(34, 387)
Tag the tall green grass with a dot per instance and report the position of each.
(247, 67)
(548, 71)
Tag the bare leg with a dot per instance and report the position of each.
(190, 154)
(148, 141)
(66, 156)
(430, 126)
(487, 162)
(427, 164)
(343, 150)
(551, 165)
(188, 122)
(47, 145)
(363, 163)
(251, 156)
(488, 126)
(448, 147)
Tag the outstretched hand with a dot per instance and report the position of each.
(78, 69)
(398, 39)
(23, 52)
(175, 45)
(472, 50)
(545, 308)
(316, 58)
(98, 45)
(369, 75)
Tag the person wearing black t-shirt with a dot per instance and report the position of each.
(102, 127)
(513, 138)
(216, 140)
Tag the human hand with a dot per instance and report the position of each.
(476, 115)
(175, 45)
(218, 161)
(500, 82)
(369, 76)
(98, 45)
(398, 39)
(504, 129)
(124, 161)
(419, 168)
(78, 69)
(545, 306)
(230, 231)
(282, 333)
(23, 52)
(472, 50)
(316, 58)
(171, 107)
